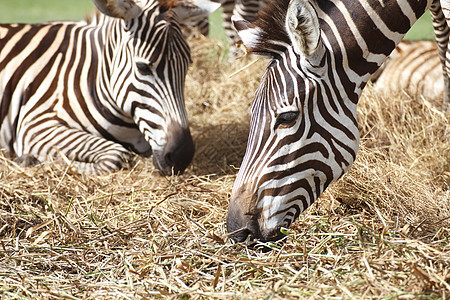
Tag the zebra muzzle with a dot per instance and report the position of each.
(244, 221)
(242, 225)
(178, 152)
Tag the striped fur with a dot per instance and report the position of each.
(96, 92)
(415, 68)
(303, 131)
(243, 9)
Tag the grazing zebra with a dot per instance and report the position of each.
(304, 132)
(415, 68)
(94, 92)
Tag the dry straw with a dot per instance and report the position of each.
(381, 232)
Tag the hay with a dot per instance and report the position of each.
(381, 231)
(403, 168)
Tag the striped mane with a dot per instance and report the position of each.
(271, 23)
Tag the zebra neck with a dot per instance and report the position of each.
(110, 49)
(361, 34)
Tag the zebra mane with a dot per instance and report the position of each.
(96, 17)
(271, 22)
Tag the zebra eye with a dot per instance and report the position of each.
(144, 68)
(286, 119)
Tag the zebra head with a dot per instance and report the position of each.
(303, 131)
(146, 61)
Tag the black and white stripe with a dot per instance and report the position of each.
(97, 91)
(304, 132)
(242, 9)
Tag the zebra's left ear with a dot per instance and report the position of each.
(191, 11)
(123, 9)
(302, 25)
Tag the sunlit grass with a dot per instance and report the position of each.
(422, 29)
(381, 232)
(33, 11)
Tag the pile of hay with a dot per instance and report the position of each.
(381, 231)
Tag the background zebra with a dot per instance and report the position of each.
(415, 68)
(304, 132)
(94, 92)
(243, 9)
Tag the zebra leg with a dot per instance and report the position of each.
(203, 26)
(103, 158)
(230, 32)
(442, 32)
(87, 153)
(27, 160)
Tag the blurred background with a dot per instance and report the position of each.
(32, 11)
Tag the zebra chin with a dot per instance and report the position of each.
(178, 152)
(240, 230)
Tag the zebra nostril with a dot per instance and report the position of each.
(168, 158)
(240, 226)
(240, 235)
(177, 153)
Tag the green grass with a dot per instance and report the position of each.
(215, 26)
(34, 11)
(422, 29)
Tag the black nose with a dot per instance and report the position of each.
(177, 153)
(239, 225)
(242, 226)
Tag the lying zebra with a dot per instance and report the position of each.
(243, 9)
(415, 68)
(96, 92)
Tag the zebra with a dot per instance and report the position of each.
(415, 68)
(243, 9)
(95, 92)
(303, 129)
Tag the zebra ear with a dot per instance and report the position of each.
(302, 25)
(191, 11)
(123, 9)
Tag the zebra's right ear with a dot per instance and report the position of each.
(123, 9)
(302, 26)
